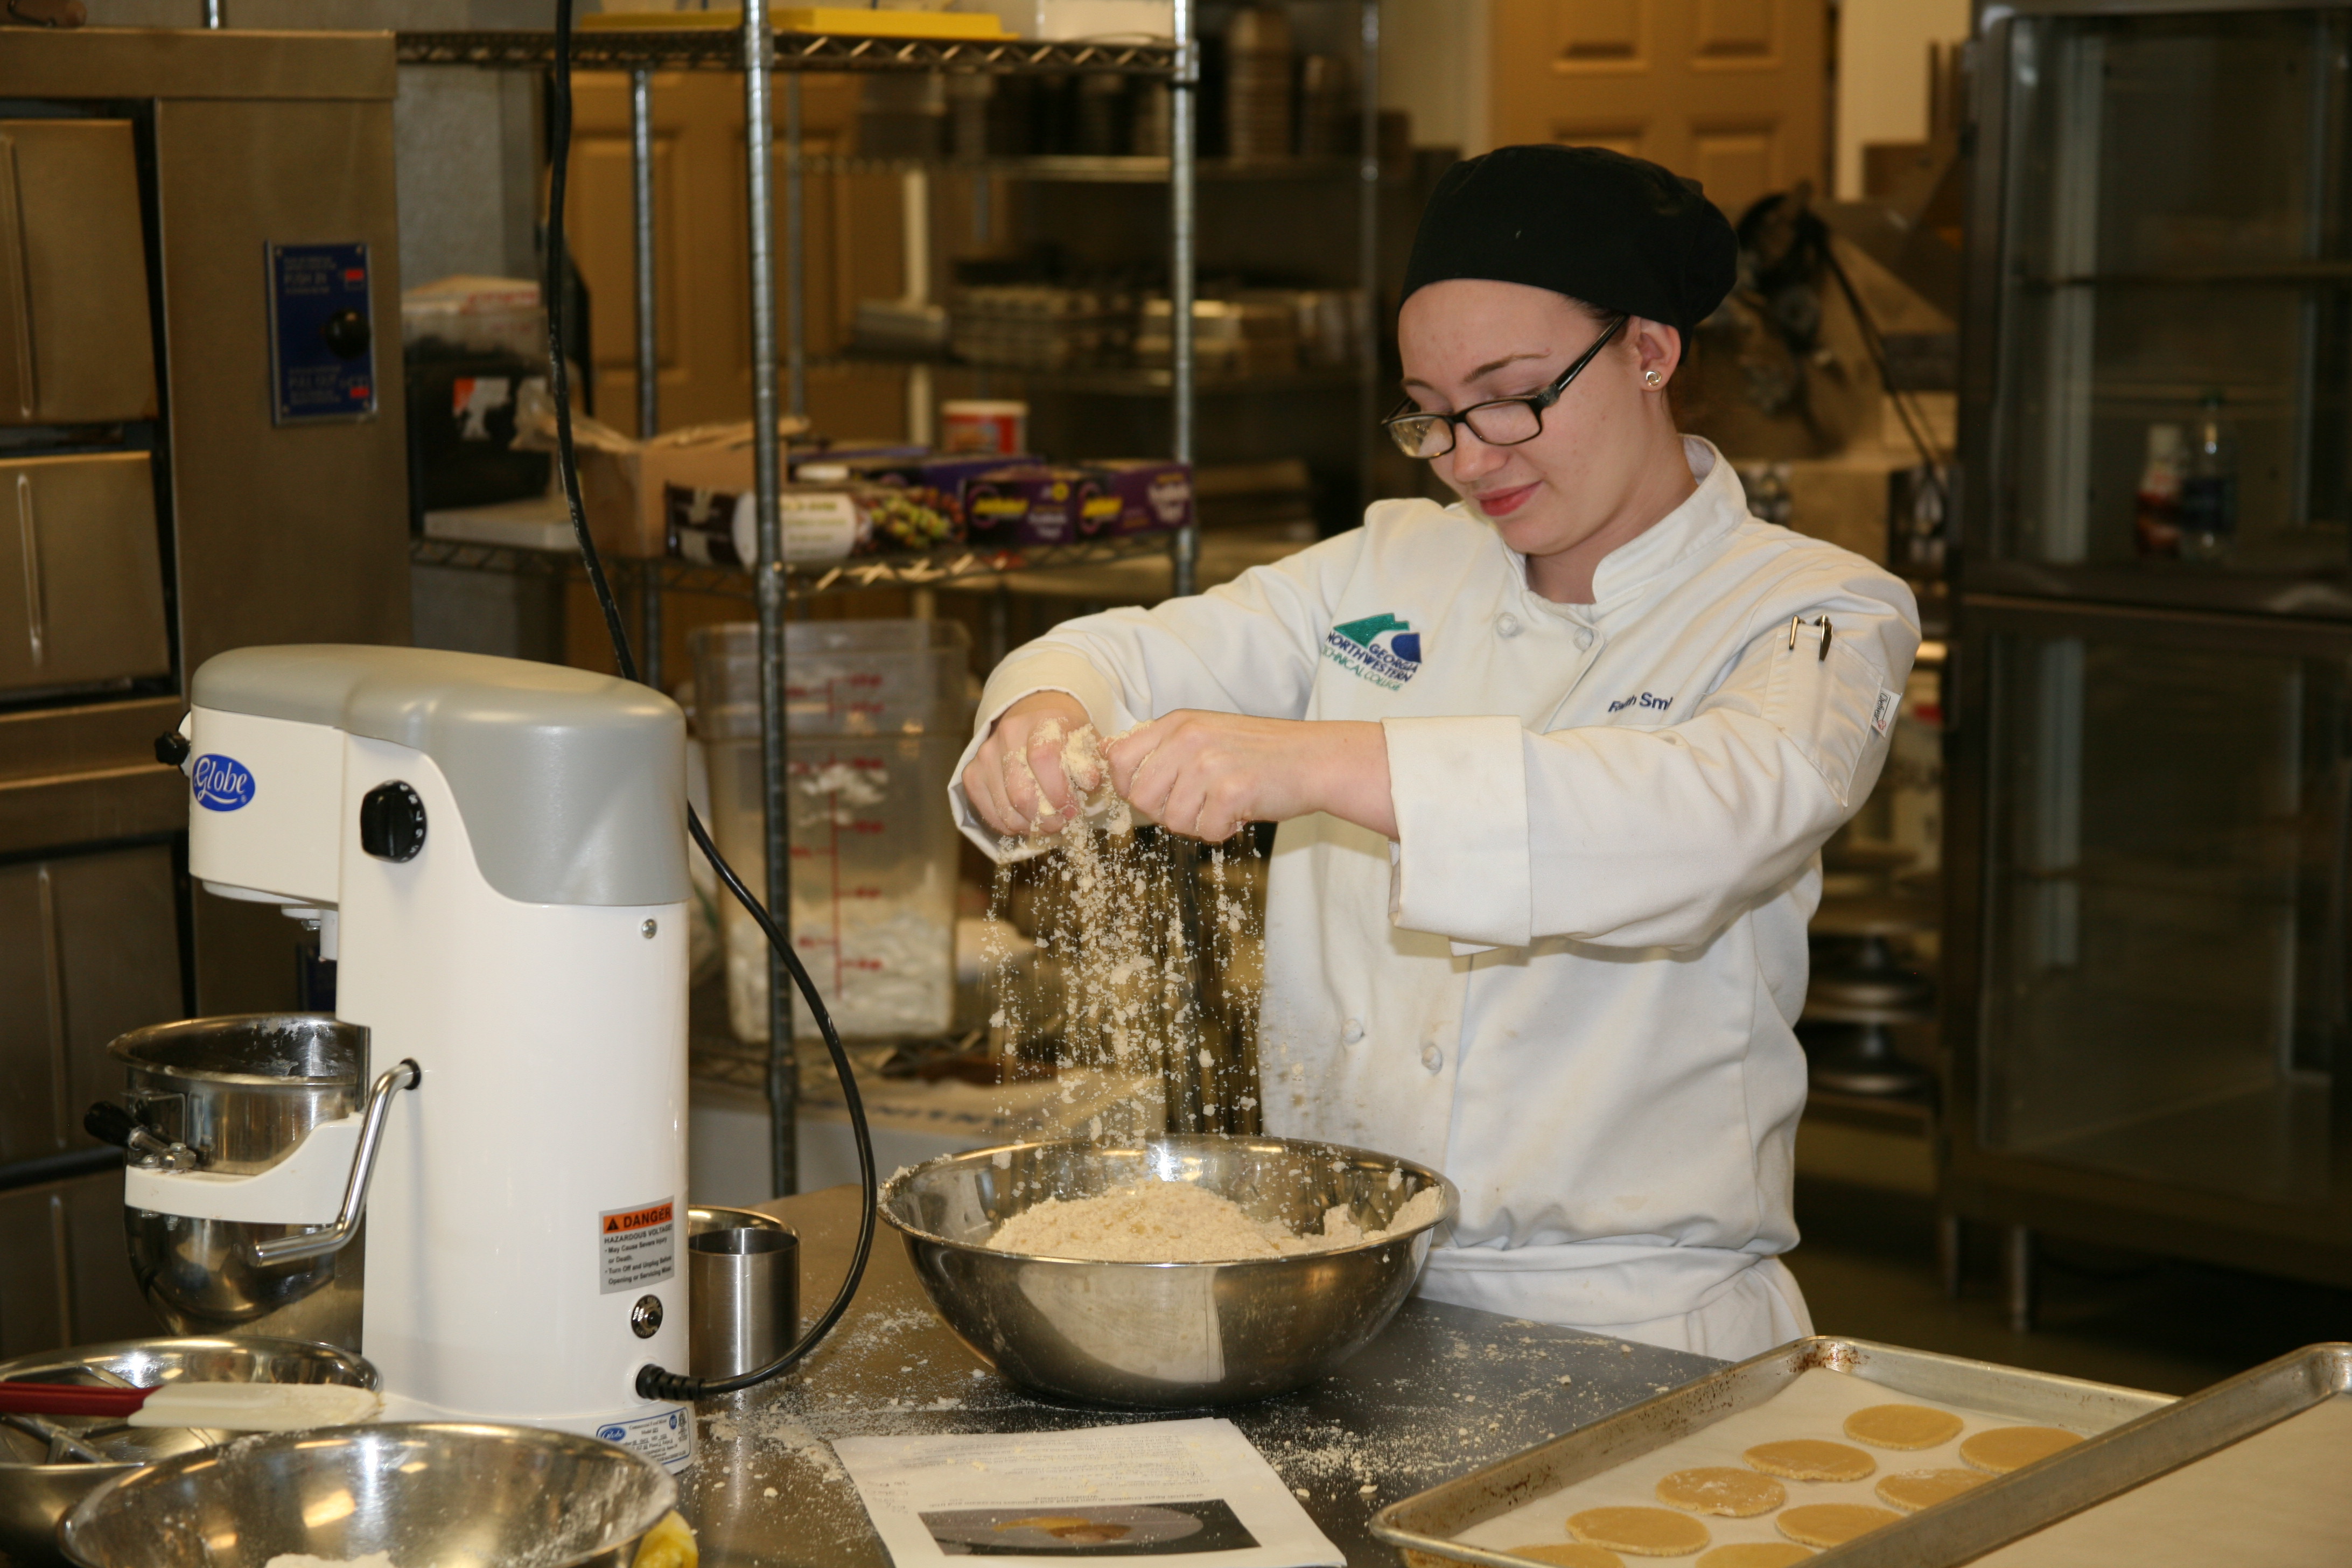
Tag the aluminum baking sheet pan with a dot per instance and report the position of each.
(1527, 1498)
(2255, 1472)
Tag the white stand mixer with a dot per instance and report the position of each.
(494, 851)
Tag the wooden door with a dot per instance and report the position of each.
(1732, 93)
(701, 268)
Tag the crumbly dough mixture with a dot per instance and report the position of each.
(1175, 1221)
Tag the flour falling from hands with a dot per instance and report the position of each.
(1146, 970)
(1117, 986)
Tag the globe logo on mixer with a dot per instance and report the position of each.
(221, 783)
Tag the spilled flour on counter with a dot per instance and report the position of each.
(1175, 1221)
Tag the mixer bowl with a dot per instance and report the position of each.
(1162, 1335)
(242, 1089)
(443, 1493)
(35, 1493)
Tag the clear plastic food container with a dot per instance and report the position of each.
(877, 713)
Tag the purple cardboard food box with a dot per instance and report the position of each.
(1030, 503)
(1037, 503)
(1155, 495)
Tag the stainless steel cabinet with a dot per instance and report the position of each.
(81, 573)
(2165, 816)
(65, 1272)
(2149, 850)
(75, 344)
(2161, 214)
(89, 947)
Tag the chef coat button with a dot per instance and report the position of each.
(1583, 637)
(1432, 1058)
(1507, 624)
(1353, 1032)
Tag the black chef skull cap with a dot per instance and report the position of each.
(1619, 232)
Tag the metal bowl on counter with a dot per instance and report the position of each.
(242, 1089)
(1164, 1335)
(49, 1464)
(443, 1494)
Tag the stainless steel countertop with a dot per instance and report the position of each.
(1442, 1390)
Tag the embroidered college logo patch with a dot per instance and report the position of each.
(1382, 649)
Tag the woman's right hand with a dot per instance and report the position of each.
(1015, 781)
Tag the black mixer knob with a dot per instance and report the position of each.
(392, 822)
(346, 332)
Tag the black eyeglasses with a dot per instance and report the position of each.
(1503, 422)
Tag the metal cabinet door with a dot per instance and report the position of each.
(102, 1290)
(89, 947)
(65, 1270)
(30, 1048)
(81, 574)
(36, 1270)
(118, 925)
(76, 342)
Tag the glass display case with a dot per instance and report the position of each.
(2168, 260)
(2150, 735)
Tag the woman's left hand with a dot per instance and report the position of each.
(1207, 775)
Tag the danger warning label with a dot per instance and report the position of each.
(639, 1246)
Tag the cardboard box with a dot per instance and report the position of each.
(1036, 503)
(624, 481)
(1060, 19)
(1032, 503)
(1155, 495)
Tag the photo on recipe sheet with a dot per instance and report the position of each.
(1101, 1529)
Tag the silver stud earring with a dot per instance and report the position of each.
(1652, 380)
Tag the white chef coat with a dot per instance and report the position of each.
(1569, 984)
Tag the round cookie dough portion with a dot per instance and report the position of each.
(1570, 1555)
(2002, 1449)
(1811, 1459)
(1755, 1554)
(1644, 1531)
(1722, 1489)
(1902, 1426)
(1912, 1491)
(1832, 1523)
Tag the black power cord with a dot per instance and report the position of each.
(654, 1382)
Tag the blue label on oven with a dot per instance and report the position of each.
(321, 333)
(221, 783)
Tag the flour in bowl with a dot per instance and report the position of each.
(1175, 1221)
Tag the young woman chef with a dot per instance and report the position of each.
(1552, 764)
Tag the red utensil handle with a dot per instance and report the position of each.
(70, 1399)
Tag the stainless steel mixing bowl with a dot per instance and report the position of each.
(36, 1490)
(432, 1494)
(242, 1089)
(1162, 1335)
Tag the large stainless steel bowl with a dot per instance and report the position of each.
(1162, 1335)
(37, 1485)
(242, 1089)
(431, 1494)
